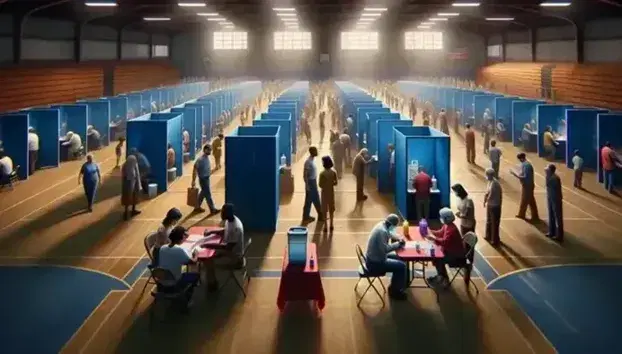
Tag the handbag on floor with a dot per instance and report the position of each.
(192, 198)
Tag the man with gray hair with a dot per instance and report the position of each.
(381, 246)
(492, 203)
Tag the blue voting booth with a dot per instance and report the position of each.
(285, 131)
(609, 128)
(582, 126)
(503, 117)
(468, 112)
(372, 129)
(361, 120)
(252, 176)
(385, 177)
(189, 124)
(481, 103)
(46, 122)
(75, 119)
(134, 104)
(286, 108)
(554, 116)
(14, 136)
(205, 120)
(145, 102)
(525, 112)
(430, 149)
(99, 118)
(174, 126)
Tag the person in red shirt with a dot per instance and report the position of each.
(469, 140)
(450, 240)
(422, 185)
(609, 160)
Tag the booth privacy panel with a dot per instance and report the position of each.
(385, 180)
(523, 112)
(609, 128)
(362, 122)
(99, 118)
(372, 129)
(503, 117)
(292, 129)
(149, 137)
(189, 124)
(76, 118)
(46, 122)
(553, 115)
(15, 140)
(118, 109)
(581, 135)
(401, 172)
(174, 137)
(285, 147)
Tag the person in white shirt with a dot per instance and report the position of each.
(93, 137)
(6, 167)
(33, 150)
(312, 194)
(74, 143)
(173, 257)
(186, 140)
(230, 251)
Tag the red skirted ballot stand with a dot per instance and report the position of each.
(300, 283)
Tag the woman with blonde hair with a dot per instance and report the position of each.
(327, 183)
(130, 185)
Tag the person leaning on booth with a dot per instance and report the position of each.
(203, 170)
(361, 160)
(381, 257)
(450, 240)
(33, 150)
(422, 184)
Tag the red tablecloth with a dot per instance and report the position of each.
(298, 284)
(423, 255)
(196, 233)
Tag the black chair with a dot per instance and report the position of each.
(364, 273)
(241, 268)
(465, 266)
(13, 178)
(166, 290)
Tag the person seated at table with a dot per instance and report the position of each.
(185, 138)
(73, 143)
(172, 218)
(381, 257)
(172, 258)
(525, 134)
(450, 240)
(549, 143)
(6, 168)
(144, 167)
(230, 251)
(170, 156)
(154, 106)
(94, 138)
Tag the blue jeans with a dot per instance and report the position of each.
(312, 196)
(608, 180)
(90, 188)
(206, 193)
(397, 269)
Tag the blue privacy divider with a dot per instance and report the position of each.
(207, 120)
(372, 128)
(46, 122)
(480, 104)
(582, 127)
(99, 118)
(385, 180)
(503, 117)
(76, 118)
(277, 119)
(198, 108)
(134, 104)
(118, 108)
(149, 137)
(609, 128)
(280, 110)
(252, 160)
(145, 102)
(361, 122)
(523, 112)
(173, 136)
(553, 115)
(431, 148)
(14, 138)
(467, 107)
(189, 124)
(284, 116)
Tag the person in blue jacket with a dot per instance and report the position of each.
(554, 202)
(91, 178)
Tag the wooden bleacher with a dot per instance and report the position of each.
(31, 87)
(593, 85)
(136, 77)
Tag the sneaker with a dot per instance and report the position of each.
(214, 211)
(199, 210)
(308, 219)
(135, 212)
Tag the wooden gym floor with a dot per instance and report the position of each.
(43, 224)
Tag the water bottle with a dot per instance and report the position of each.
(283, 160)
(406, 228)
(312, 262)
(417, 247)
(432, 251)
(423, 227)
(434, 184)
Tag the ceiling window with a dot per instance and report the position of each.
(359, 40)
(158, 51)
(230, 40)
(423, 41)
(292, 40)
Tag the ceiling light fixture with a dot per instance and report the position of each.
(437, 19)
(284, 9)
(101, 4)
(208, 14)
(191, 4)
(448, 14)
(367, 19)
(216, 19)
(371, 14)
(465, 4)
(156, 18)
(375, 9)
(555, 4)
(427, 23)
(499, 18)
(423, 27)
(286, 15)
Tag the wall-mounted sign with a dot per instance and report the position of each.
(459, 54)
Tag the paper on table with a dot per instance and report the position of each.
(194, 241)
(413, 244)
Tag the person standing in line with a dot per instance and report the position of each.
(91, 179)
(486, 132)
(118, 150)
(469, 140)
(609, 161)
(347, 149)
(358, 170)
(338, 153)
(322, 126)
(527, 198)
(217, 149)
(442, 117)
(492, 202)
(327, 183)
(33, 150)
(554, 201)
(466, 209)
(494, 154)
(312, 195)
(457, 121)
(577, 166)
(203, 170)
(422, 184)
(131, 185)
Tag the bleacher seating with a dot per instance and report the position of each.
(137, 77)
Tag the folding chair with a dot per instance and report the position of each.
(149, 242)
(465, 264)
(166, 290)
(364, 273)
(242, 268)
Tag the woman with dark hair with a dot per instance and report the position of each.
(173, 216)
(327, 183)
(466, 209)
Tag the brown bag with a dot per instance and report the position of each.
(192, 199)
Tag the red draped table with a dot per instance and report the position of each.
(301, 284)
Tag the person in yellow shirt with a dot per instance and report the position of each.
(217, 149)
(549, 143)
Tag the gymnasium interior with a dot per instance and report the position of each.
(76, 280)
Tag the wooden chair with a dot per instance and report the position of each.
(466, 264)
(364, 273)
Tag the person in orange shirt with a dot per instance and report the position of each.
(469, 140)
(609, 161)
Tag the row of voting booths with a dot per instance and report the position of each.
(150, 134)
(523, 121)
(104, 115)
(252, 159)
(415, 146)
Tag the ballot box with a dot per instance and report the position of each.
(297, 245)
